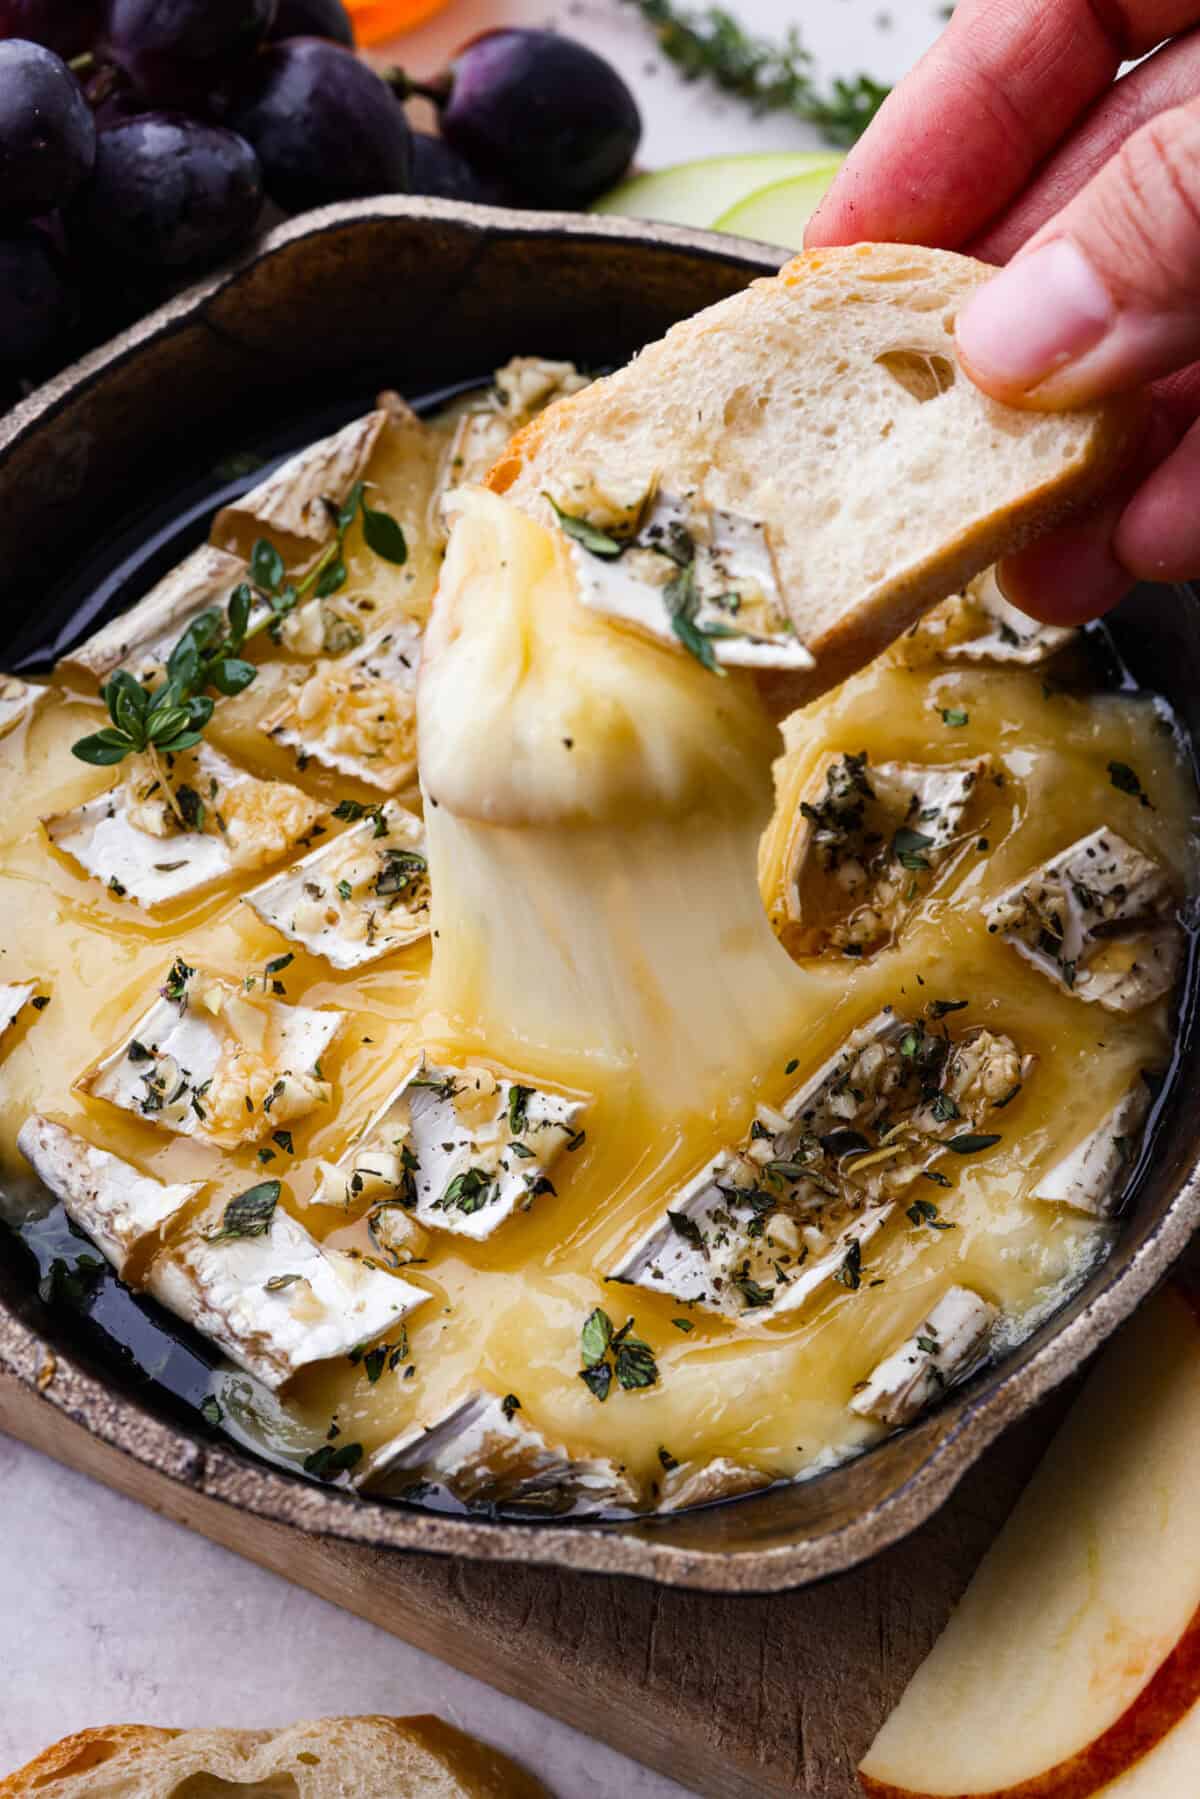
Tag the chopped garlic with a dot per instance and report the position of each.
(863, 841)
(359, 896)
(357, 715)
(763, 1227)
(207, 1062)
(174, 825)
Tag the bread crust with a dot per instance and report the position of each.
(373, 1757)
(79, 1754)
(876, 283)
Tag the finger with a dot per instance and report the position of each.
(1168, 78)
(1103, 298)
(1073, 575)
(1078, 572)
(962, 135)
(1158, 535)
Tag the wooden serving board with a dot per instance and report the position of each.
(736, 1698)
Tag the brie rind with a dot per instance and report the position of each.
(484, 1457)
(17, 700)
(184, 1068)
(733, 597)
(704, 1234)
(14, 997)
(276, 1302)
(152, 870)
(942, 1349)
(766, 1224)
(1006, 634)
(357, 897)
(142, 638)
(462, 1174)
(292, 501)
(122, 1210)
(357, 715)
(1099, 920)
(703, 1483)
(928, 799)
(1090, 1177)
(666, 1261)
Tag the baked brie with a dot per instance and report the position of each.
(942, 1349)
(125, 1212)
(458, 1146)
(693, 576)
(213, 1061)
(866, 839)
(358, 897)
(483, 1452)
(765, 1226)
(356, 715)
(277, 1301)
(1100, 920)
(179, 825)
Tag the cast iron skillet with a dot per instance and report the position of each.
(423, 295)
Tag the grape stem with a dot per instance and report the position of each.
(437, 89)
(83, 64)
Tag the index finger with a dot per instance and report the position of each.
(964, 132)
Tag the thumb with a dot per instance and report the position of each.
(1103, 298)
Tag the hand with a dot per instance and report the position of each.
(1013, 139)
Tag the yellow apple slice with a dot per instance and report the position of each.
(1075, 1652)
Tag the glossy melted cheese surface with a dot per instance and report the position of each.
(596, 810)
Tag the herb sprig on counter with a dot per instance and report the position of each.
(171, 716)
(774, 77)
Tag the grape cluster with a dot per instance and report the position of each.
(140, 141)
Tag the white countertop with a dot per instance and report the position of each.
(111, 1614)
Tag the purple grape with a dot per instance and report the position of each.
(65, 26)
(38, 306)
(175, 50)
(324, 125)
(541, 113)
(314, 18)
(47, 136)
(437, 169)
(170, 192)
(112, 96)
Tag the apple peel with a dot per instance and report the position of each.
(1077, 1643)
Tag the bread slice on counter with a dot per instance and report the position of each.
(331, 1758)
(827, 405)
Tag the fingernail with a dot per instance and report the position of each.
(1038, 314)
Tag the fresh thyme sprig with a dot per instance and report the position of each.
(172, 716)
(773, 77)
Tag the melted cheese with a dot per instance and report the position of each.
(594, 808)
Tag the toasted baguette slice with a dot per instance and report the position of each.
(827, 404)
(333, 1758)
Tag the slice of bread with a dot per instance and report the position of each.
(827, 404)
(332, 1758)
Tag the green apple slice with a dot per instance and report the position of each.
(697, 193)
(777, 214)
